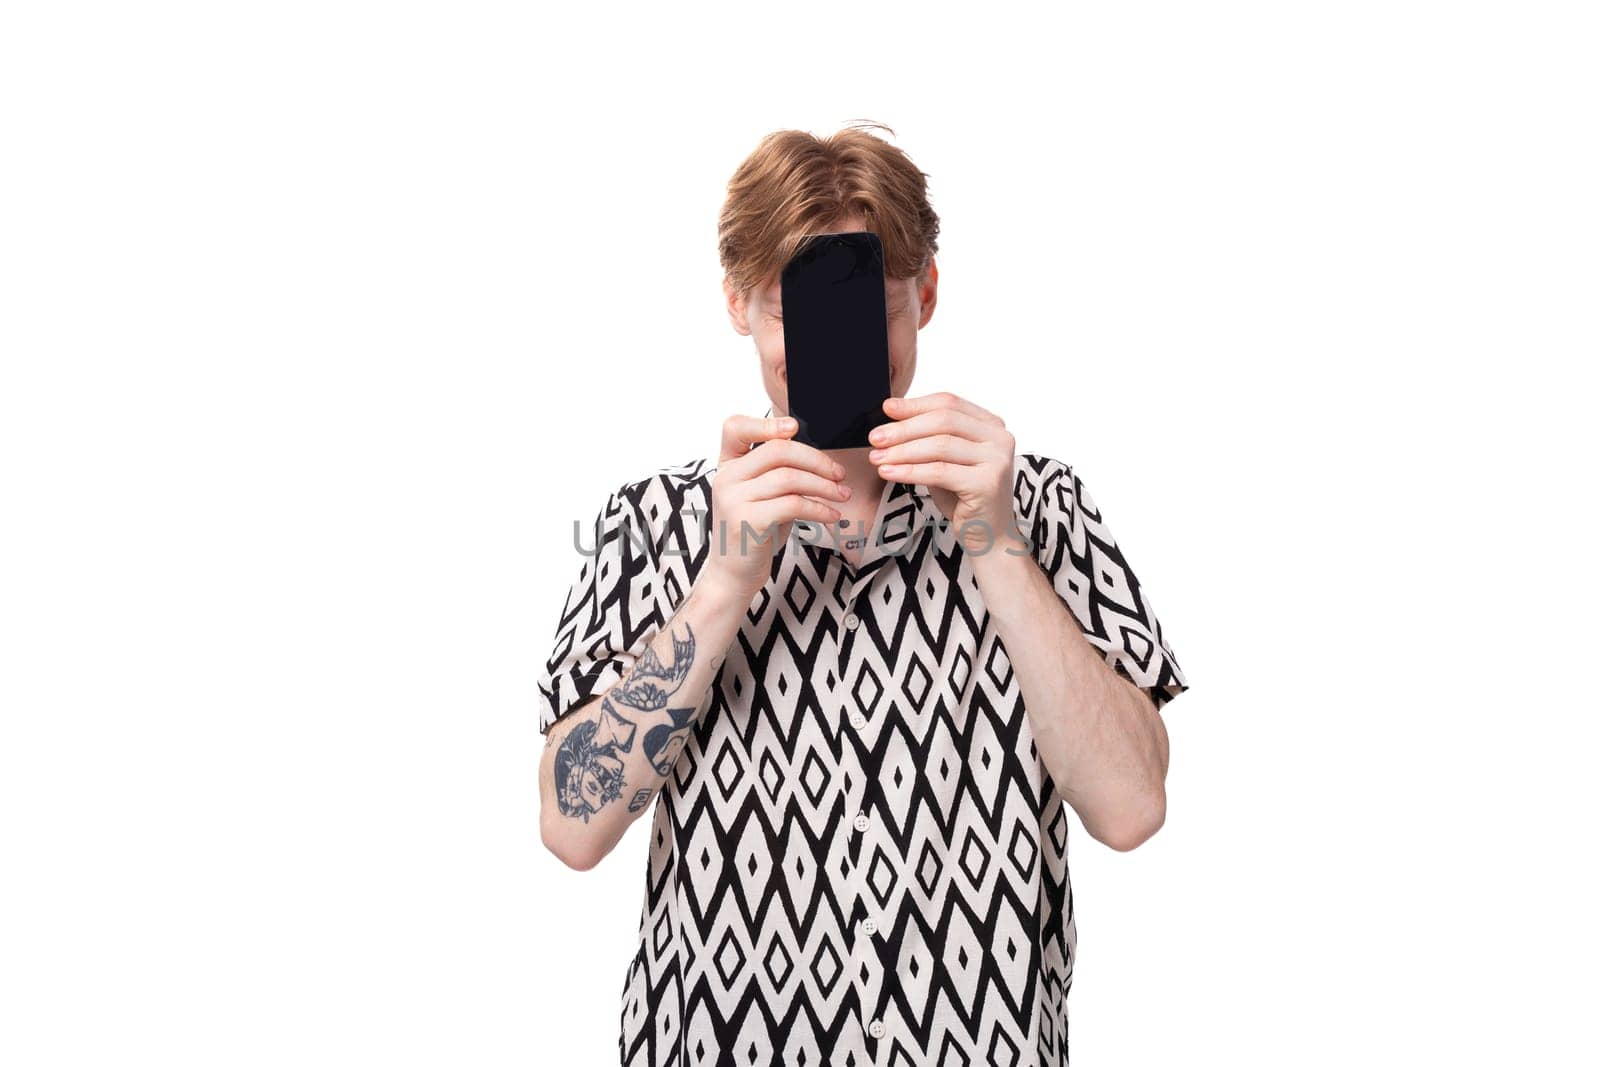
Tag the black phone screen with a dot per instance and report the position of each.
(836, 339)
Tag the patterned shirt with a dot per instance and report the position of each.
(858, 857)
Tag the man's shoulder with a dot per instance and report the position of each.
(1039, 465)
(663, 490)
(1039, 480)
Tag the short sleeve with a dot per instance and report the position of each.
(1076, 549)
(610, 614)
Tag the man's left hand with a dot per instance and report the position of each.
(961, 451)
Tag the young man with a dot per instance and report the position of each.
(857, 753)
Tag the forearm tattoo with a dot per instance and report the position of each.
(589, 762)
(663, 741)
(588, 765)
(649, 684)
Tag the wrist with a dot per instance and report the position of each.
(722, 591)
(989, 540)
(1002, 569)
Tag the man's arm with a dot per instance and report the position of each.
(1100, 735)
(603, 763)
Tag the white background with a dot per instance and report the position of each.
(321, 322)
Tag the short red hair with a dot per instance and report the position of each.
(795, 184)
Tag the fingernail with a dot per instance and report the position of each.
(844, 490)
(876, 454)
(786, 423)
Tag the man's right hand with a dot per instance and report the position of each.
(768, 488)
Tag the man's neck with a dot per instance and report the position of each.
(861, 475)
(866, 491)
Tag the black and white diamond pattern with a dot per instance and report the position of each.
(773, 930)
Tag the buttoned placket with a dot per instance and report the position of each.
(901, 514)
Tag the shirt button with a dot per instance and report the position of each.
(851, 621)
(862, 822)
(876, 1029)
(859, 721)
(869, 926)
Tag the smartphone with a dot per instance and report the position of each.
(836, 339)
